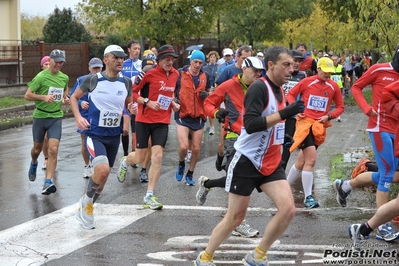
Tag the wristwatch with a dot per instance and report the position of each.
(146, 100)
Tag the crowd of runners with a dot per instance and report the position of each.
(266, 105)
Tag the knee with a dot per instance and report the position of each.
(102, 171)
(195, 150)
(53, 150)
(156, 158)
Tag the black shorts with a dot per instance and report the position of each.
(308, 141)
(158, 133)
(243, 177)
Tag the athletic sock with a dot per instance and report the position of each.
(260, 253)
(346, 186)
(219, 182)
(307, 182)
(293, 174)
(365, 229)
(182, 163)
(143, 169)
(149, 194)
(190, 173)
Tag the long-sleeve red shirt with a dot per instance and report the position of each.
(318, 96)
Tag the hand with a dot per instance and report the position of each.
(203, 94)
(221, 115)
(49, 98)
(175, 106)
(82, 123)
(292, 109)
(84, 105)
(132, 108)
(66, 101)
(288, 141)
(176, 100)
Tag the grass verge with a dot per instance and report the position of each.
(10, 101)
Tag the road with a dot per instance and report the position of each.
(42, 230)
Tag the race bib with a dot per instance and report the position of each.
(164, 101)
(57, 92)
(289, 85)
(317, 103)
(279, 132)
(109, 118)
(336, 78)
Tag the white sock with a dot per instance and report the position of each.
(149, 194)
(86, 199)
(293, 174)
(307, 182)
(346, 186)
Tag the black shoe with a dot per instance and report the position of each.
(218, 163)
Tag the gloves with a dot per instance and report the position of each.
(292, 109)
(288, 141)
(203, 95)
(221, 114)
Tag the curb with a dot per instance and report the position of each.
(29, 106)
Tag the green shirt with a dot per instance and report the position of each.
(46, 83)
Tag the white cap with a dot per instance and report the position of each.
(253, 62)
(115, 50)
(227, 51)
(260, 54)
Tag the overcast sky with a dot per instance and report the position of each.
(45, 7)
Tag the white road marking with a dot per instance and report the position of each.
(57, 234)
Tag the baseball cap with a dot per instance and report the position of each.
(260, 54)
(147, 62)
(253, 62)
(227, 51)
(115, 50)
(44, 60)
(197, 55)
(165, 50)
(326, 64)
(297, 54)
(146, 52)
(95, 62)
(58, 55)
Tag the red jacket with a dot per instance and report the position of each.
(232, 94)
(390, 103)
(189, 96)
(161, 89)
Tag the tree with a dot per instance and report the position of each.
(161, 21)
(32, 27)
(260, 20)
(62, 27)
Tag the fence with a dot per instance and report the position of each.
(19, 63)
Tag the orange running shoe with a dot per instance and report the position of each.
(360, 168)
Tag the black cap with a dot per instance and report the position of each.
(297, 54)
(165, 50)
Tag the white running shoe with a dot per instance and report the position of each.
(188, 156)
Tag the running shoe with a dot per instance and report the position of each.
(44, 167)
(245, 230)
(310, 202)
(387, 233)
(135, 166)
(152, 203)
(48, 187)
(32, 172)
(143, 177)
(198, 262)
(202, 190)
(180, 172)
(84, 214)
(341, 194)
(188, 156)
(87, 171)
(190, 180)
(356, 236)
(250, 260)
(339, 118)
(218, 163)
(122, 170)
(360, 168)
(212, 131)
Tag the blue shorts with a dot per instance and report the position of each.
(383, 147)
(192, 123)
(99, 145)
(53, 127)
